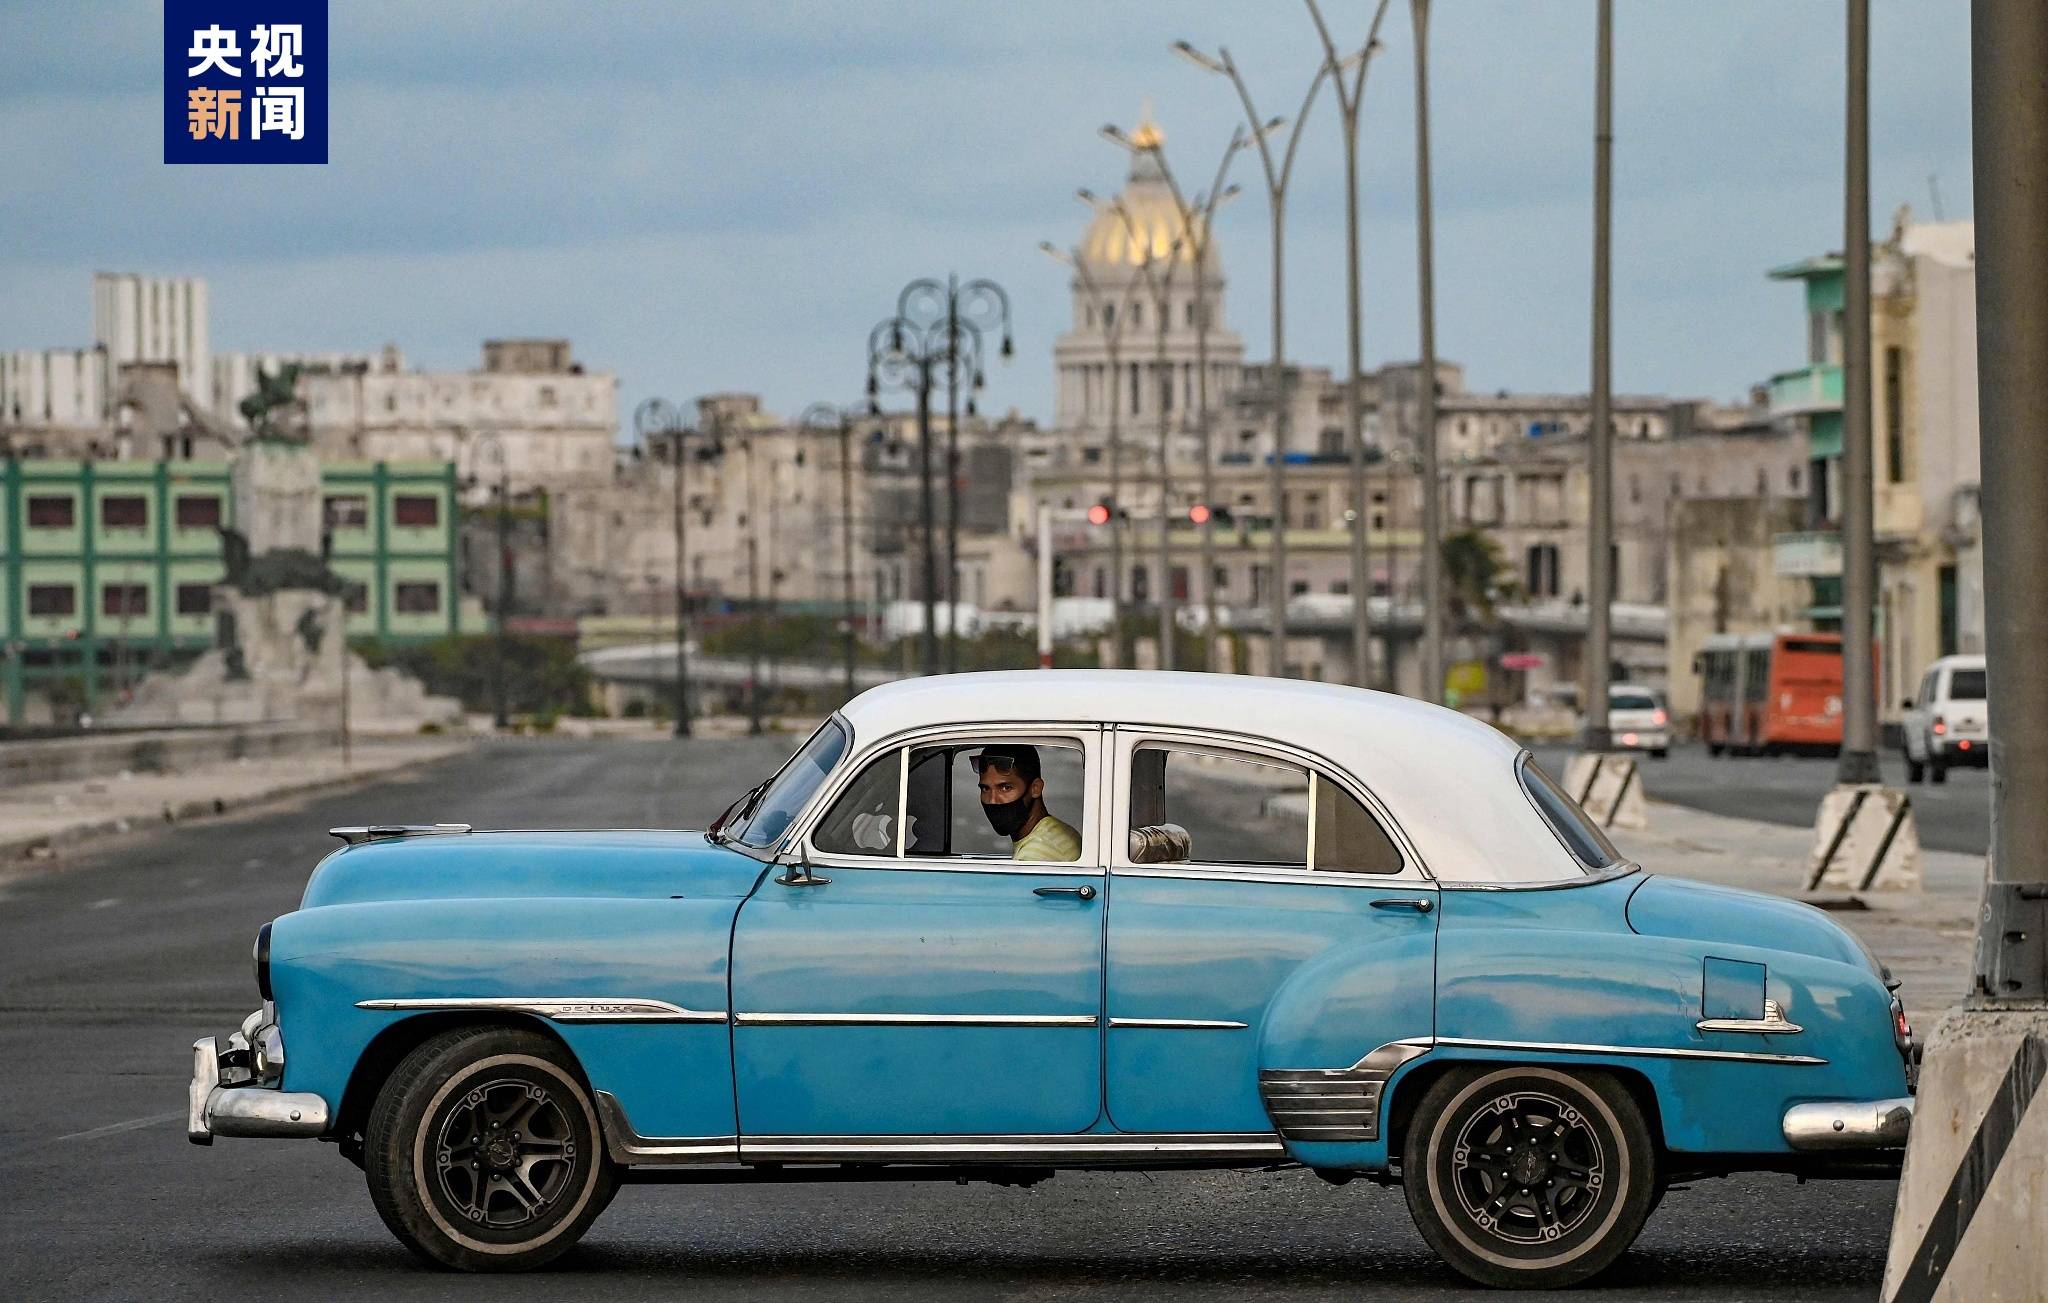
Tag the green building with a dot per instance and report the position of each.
(107, 568)
(1813, 395)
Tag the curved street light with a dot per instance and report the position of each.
(1278, 172)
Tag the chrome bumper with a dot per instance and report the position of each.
(1849, 1124)
(213, 1109)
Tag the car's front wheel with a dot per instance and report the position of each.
(483, 1151)
(1529, 1177)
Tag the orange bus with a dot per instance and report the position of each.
(1765, 693)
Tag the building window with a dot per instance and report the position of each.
(195, 599)
(52, 599)
(1895, 414)
(355, 597)
(416, 511)
(420, 597)
(128, 511)
(1542, 570)
(52, 511)
(348, 511)
(124, 601)
(195, 511)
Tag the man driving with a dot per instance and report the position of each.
(1013, 798)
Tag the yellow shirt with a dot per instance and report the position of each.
(1048, 841)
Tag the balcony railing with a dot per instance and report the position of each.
(1809, 389)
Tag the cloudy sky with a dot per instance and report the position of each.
(727, 196)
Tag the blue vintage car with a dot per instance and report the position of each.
(994, 926)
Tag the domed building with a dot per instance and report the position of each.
(1137, 246)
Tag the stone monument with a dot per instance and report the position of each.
(280, 649)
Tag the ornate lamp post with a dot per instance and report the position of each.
(905, 353)
(1196, 231)
(977, 307)
(825, 419)
(1278, 172)
(1113, 313)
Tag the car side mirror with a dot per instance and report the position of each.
(800, 874)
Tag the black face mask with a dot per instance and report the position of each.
(1009, 817)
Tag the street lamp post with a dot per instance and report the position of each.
(1600, 439)
(1277, 175)
(1425, 289)
(981, 306)
(1858, 763)
(825, 418)
(907, 353)
(1349, 99)
(501, 710)
(1196, 223)
(1112, 314)
(657, 418)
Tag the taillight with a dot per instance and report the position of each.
(1659, 717)
(1940, 726)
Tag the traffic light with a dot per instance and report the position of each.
(1099, 514)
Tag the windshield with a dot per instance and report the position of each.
(1581, 836)
(771, 813)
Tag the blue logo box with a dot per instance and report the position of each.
(245, 81)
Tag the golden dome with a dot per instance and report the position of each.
(1144, 221)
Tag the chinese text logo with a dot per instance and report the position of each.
(245, 81)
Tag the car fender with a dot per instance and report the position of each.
(638, 987)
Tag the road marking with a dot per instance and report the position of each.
(115, 1128)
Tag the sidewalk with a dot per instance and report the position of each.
(42, 820)
(1925, 938)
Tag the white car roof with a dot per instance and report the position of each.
(1448, 779)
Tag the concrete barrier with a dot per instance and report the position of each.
(1608, 785)
(153, 751)
(1974, 1193)
(1864, 839)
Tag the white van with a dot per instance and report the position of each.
(1945, 720)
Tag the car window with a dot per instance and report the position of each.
(1631, 701)
(790, 789)
(1966, 685)
(1037, 787)
(1580, 835)
(1192, 804)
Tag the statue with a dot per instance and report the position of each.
(276, 393)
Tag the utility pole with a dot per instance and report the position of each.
(1859, 549)
(682, 725)
(1425, 285)
(754, 592)
(500, 692)
(1600, 439)
(1968, 1220)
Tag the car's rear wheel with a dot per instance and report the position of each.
(1937, 769)
(1529, 1177)
(483, 1151)
(1914, 769)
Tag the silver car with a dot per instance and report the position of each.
(1637, 719)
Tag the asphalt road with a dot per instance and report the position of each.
(1951, 816)
(111, 963)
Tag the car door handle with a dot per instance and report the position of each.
(1085, 893)
(1420, 904)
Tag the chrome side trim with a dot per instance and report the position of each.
(1027, 1150)
(1180, 1024)
(560, 1008)
(1773, 1023)
(1634, 1051)
(1849, 1124)
(625, 1145)
(755, 1019)
(1334, 1104)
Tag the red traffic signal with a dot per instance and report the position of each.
(1199, 513)
(1099, 514)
